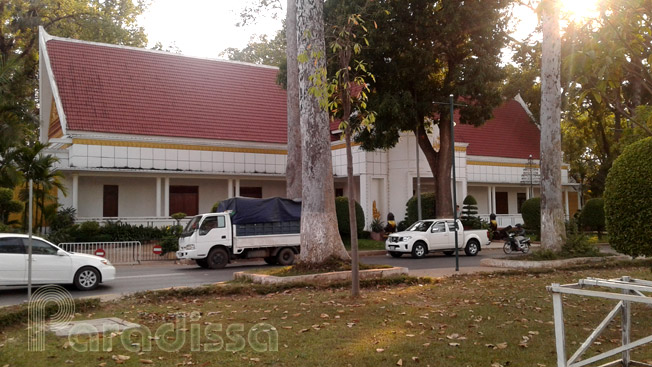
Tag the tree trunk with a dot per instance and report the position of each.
(444, 166)
(293, 166)
(320, 238)
(553, 233)
(431, 155)
(353, 227)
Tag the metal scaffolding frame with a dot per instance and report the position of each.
(631, 290)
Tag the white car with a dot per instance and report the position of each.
(436, 235)
(50, 264)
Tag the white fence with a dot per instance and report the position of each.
(136, 221)
(127, 252)
(504, 220)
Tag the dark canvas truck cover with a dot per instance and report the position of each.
(255, 217)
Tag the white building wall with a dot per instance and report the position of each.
(136, 196)
(107, 156)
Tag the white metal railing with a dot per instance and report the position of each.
(504, 220)
(126, 252)
(628, 290)
(137, 221)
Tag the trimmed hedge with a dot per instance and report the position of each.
(342, 211)
(427, 207)
(592, 215)
(531, 212)
(628, 200)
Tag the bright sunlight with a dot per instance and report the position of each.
(578, 10)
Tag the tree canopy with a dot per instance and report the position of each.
(422, 52)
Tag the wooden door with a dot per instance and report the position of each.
(502, 203)
(110, 206)
(184, 199)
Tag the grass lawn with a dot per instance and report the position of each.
(365, 244)
(475, 320)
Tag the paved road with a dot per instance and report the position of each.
(136, 278)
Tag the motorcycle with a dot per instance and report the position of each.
(516, 242)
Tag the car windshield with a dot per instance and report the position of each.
(420, 226)
(192, 225)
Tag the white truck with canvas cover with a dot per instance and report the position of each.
(243, 228)
(436, 235)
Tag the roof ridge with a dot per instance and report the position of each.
(48, 37)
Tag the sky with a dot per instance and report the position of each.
(205, 28)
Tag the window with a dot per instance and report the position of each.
(439, 227)
(110, 207)
(184, 199)
(451, 226)
(339, 192)
(11, 246)
(221, 222)
(251, 192)
(40, 248)
(208, 224)
(520, 199)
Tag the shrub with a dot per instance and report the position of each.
(342, 211)
(577, 243)
(531, 212)
(170, 240)
(592, 216)
(427, 207)
(214, 207)
(469, 213)
(8, 204)
(628, 200)
(63, 219)
(377, 225)
(470, 207)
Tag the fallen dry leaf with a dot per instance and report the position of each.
(400, 362)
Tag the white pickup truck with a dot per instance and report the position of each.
(436, 235)
(243, 228)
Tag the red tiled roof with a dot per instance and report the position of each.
(510, 134)
(131, 91)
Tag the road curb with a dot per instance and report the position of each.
(524, 264)
(321, 278)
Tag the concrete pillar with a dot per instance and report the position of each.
(75, 193)
(230, 189)
(166, 197)
(158, 197)
(489, 202)
(237, 187)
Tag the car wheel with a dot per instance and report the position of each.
(285, 256)
(202, 262)
(395, 254)
(419, 250)
(472, 248)
(217, 258)
(87, 279)
(271, 260)
(449, 253)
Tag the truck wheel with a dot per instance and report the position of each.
(449, 253)
(285, 256)
(419, 250)
(271, 260)
(472, 248)
(395, 254)
(202, 262)
(217, 258)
